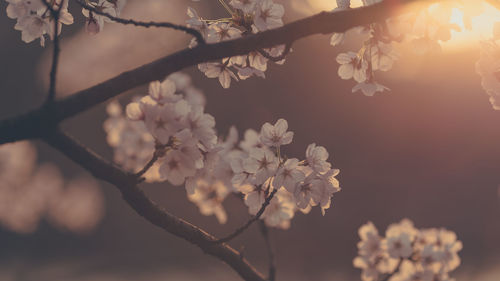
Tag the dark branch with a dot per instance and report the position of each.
(160, 151)
(272, 266)
(186, 29)
(281, 57)
(138, 200)
(249, 222)
(30, 124)
(55, 53)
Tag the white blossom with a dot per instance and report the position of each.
(246, 6)
(277, 134)
(316, 157)
(262, 164)
(288, 175)
(369, 88)
(352, 66)
(268, 15)
(218, 70)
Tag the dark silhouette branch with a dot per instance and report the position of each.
(281, 57)
(160, 150)
(255, 218)
(138, 200)
(55, 53)
(272, 266)
(31, 124)
(195, 33)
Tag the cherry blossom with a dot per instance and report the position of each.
(95, 22)
(288, 175)
(352, 67)
(425, 254)
(34, 19)
(219, 70)
(247, 17)
(276, 135)
(316, 157)
(262, 163)
(246, 6)
(268, 15)
(369, 88)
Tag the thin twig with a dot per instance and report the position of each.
(55, 54)
(195, 33)
(159, 152)
(272, 265)
(281, 57)
(249, 222)
(156, 156)
(388, 276)
(139, 201)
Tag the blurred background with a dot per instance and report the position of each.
(428, 150)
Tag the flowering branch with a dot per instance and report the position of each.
(33, 124)
(186, 29)
(138, 200)
(249, 222)
(160, 150)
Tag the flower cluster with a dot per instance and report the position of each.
(377, 53)
(28, 194)
(260, 170)
(35, 20)
(488, 67)
(171, 124)
(407, 253)
(247, 17)
(95, 23)
(132, 144)
(424, 27)
(177, 122)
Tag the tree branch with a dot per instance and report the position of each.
(138, 200)
(272, 266)
(250, 221)
(281, 57)
(55, 53)
(186, 29)
(30, 124)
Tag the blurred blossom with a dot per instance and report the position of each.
(28, 195)
(77, 208)
(17, 162)
(407, 253)
(488, 67)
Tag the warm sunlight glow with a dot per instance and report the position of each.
(482, 16)
(481, 27)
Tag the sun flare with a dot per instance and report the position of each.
(478, 25)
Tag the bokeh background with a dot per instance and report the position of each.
(428, 150)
